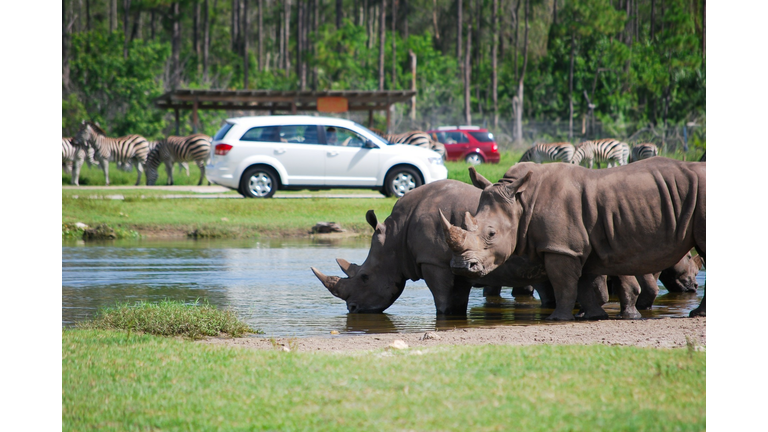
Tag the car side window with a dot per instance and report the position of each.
(457, 137)
(299, 134)
(262, 134)
(343, 137)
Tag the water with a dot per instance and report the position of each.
(270, 286)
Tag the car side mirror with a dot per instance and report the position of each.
(370, 145)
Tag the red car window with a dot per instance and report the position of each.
(482, 136)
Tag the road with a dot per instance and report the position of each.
(219, 192)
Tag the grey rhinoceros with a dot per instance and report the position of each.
(629, 220)
(410, 245)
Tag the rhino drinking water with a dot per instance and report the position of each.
(410, 245)
(630, 220)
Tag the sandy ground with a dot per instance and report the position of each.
(657, 333)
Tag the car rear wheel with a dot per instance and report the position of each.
(401, 180)
(474, 159)
(258, 182)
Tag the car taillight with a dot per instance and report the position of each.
(222, 149)
(495, 147)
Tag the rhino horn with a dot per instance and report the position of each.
(470, 223)
(330, 282)
(454, 235)
(347, 267)
(477, 179)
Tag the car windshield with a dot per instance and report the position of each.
(377, 139)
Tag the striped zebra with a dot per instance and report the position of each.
(611, 151)
(549, 152)
(415, 138)
(182, 165)
(71, 153)
(127, 149)
(174, 149)
(643, 151)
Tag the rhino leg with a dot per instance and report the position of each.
(627, 288)
(522, 291)
(451, 293)
(649, 289)
(592, 291)
(701, 310)
(564, 273)
(546, 294)
(492, 291)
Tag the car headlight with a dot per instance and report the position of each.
(436, 160)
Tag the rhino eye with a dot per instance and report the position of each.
(364, 277)
(491, 233)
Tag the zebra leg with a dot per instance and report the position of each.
(105, 167)
(67, 167)
(185, 167)
(139, 169)
(169, 172)
(75, 168)
(201, 165)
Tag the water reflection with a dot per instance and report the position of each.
(269, 284)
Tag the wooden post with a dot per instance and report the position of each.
(370, 118)
(194, 117)
(413, 85)
(176, 111)
(389, 116)
(293, 107)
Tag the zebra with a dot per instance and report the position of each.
(611, 151)
(174, 149)
(416, 138)
(182, 165)
(643, 151)
(127, 149)
(72, 154)
(550, 152)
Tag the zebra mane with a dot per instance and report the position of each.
(95, 127)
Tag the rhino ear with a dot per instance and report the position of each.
(370, 217)
(477, 179)
(519, 185)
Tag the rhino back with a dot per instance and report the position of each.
(634, 219)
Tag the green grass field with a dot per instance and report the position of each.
(145, 210)
(120, 381)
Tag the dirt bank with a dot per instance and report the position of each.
(657, 333)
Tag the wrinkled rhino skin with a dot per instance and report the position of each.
(410, 245)
(628, 220)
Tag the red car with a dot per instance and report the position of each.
(469, 143)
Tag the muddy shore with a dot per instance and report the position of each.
(656, 333)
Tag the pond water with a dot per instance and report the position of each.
(270, 286)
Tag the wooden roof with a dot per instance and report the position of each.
(271, 100)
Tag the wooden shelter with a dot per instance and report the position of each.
(285, 101)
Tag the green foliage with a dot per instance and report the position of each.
(632, 78)
(168, 318)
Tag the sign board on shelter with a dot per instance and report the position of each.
(332, 104)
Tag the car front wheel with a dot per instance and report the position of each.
(401, 180)
(258, 182)
(474, 159)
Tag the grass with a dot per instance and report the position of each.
(145, 210)
(127, 381)
(168, 318)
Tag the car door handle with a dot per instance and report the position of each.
(279, 151)
(333, 153)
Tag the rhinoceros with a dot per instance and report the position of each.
(679, 278)
(630, 220)
(410, 245)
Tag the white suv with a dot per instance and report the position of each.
(259, 155)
